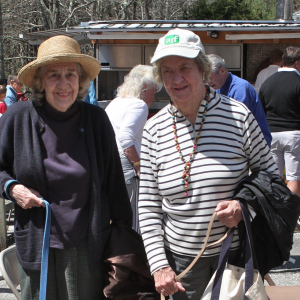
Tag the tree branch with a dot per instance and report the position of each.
(44, 6)
(174, 12)
(74, 10)
(19, 57)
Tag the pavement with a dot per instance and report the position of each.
(286, 275)
(289, 273)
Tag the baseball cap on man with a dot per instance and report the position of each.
(178, 42)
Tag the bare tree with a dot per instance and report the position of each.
(36, 15)
(73, 9)
(125, 7)
(50, 13)
(97, 10)
(2, 70)
(147, 9)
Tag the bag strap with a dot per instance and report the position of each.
(45, 250)
(45, 253)
(205, 246)
(225, 253)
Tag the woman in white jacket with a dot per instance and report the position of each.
(128, 114)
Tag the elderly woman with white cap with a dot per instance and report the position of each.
(194, 153)
(63, 150)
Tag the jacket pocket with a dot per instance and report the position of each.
(29, 245)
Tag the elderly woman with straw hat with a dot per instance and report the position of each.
(194, 153)
(63, 150)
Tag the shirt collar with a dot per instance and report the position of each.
(288, 70)
(8, 87)
(225, 88)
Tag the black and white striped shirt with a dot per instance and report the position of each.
(230, 144)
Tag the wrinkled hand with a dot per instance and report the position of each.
(229, 213)
(137, 170)
(25, 197)
(165, 282)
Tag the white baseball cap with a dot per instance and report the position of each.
(178, 42)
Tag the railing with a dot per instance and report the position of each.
(5, 207)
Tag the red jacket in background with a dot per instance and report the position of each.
(3, 107)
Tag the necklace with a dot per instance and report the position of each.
(187, 162)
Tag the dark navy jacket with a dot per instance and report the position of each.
(21, 159)
(277, 211)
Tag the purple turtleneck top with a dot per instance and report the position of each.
(68, 177)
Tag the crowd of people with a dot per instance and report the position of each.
(164, 177)
(9, 92)
(279, 95)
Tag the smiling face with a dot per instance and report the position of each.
(61, 84)
(182, 79)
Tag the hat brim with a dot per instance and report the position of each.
(90, 65)
(174, 51)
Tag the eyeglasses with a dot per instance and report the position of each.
(19, 83)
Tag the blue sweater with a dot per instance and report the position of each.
(241, 90)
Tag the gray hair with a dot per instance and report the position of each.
(217, 62)
(201, 60)
(139, 77)
(290, 56)
(38, 91)
(12, 77)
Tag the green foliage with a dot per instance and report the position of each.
(231, 10)
(263, 9)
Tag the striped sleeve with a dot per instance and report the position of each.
(150, 205)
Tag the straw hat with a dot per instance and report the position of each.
(59, 49)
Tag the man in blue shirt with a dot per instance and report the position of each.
(239, 89)
(13, 87)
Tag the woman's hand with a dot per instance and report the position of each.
(137, 170)
(229, 213)
(165, 282)
(134, 158)
(25, 197)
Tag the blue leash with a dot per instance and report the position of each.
(45, 253)
(46, 241)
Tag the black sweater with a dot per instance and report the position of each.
(280, 97)
(21, 159)
(277, 211)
